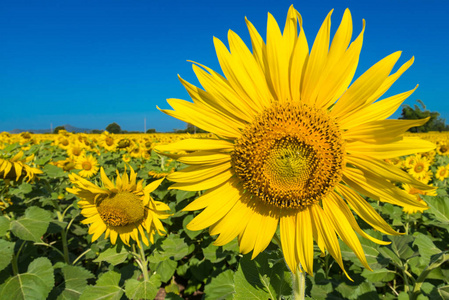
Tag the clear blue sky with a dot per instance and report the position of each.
(91, 63)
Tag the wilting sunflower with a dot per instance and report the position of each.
(124, 208)
(298, 146)
(16, 167)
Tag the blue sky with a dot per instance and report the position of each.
(91, 63)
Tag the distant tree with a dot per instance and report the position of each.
(58, 128)
(113, 128)
(193, 129)
(151, 130)
(435, 123)
(96, 131)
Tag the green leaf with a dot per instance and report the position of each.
(426, 247)
(262, 278)
(135, 289)
(4, 225)
(22, 189)
(182, 195)
(444, 291)
(115, 255)
(75, 279)
(163, 266)
(214, 253)
(6, 253)
(33, 225)
(107, 287)
(401, 246)
(175, 247)
(36, 283)
(365, 290)
(53, 171)
(220, 287)
(439, 207)
(383, 275)
(192, 234)
(435, 261)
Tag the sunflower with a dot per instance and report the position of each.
(87, 164)
(297, 145)
(108, 141)
(420, 168)
(417, 193)
(122, 209)
(443, 148)
(16, 167)
(442, 172)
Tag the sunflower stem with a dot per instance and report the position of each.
(299, 284)
(144, 263)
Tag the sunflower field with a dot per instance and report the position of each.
(53, 247)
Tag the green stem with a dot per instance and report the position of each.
(50, 246)
(81, 255)
(144, 263)
(65, 247)
(15, 260)
(299, 284)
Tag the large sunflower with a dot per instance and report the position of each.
(298, 144)
(123, 209)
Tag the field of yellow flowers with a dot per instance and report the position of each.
(51, 248)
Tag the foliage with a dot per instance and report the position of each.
(151, 130)
(56, 130)
(435, 123)
(113, 128)
(46, 252)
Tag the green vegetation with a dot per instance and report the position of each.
(435, 123)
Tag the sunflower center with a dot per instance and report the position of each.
(419, 168)
(121, 209)
(291, 156)
(86, 165)
(109, 141)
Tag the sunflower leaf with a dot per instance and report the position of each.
(33, 225)
(75, 278)
(4, 225)
(439, 207)
(107, 288)
(220, 287)
(264, 277)
(115, 255)
(36, 283)
(148, 289)
(6, 253)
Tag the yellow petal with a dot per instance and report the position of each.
(344, 228)
(316, 63)
(364, 87)
(304, 239)
(381, 131)
(406, 146)
(377, 111)
(365, 211)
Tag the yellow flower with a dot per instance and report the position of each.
(419, 168)
(108, 141)
(122, 209)
(297, 142)
(443, 148)
(16, 167)
(87, 164)
(417, 194)
(442, 173)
